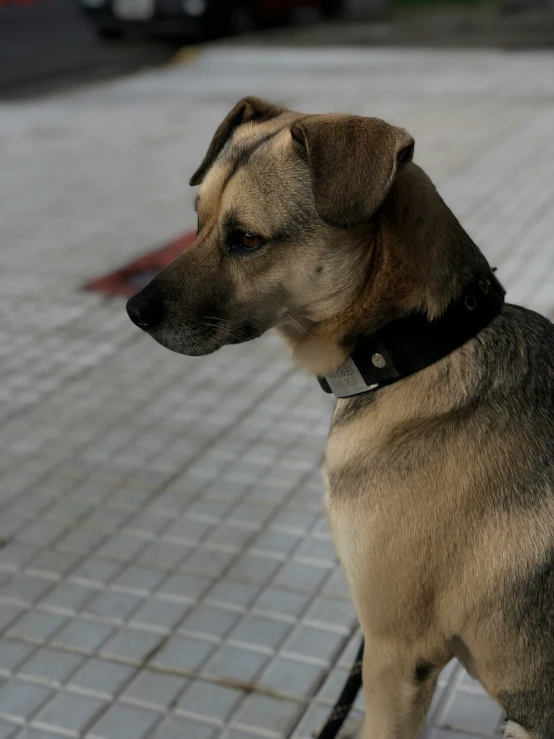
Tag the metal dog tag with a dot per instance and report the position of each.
(347, 380)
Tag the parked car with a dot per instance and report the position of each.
(193, 18)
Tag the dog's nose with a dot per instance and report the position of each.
(146, 309)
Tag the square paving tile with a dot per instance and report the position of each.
(101, 678)
(68, 598)
(24, 589)
(20, 700)
(36, 626)
(282, 602)
(154, 690)
(231, 594)
(302, 577)
(276, 717)
(113, 606)
(471, 712)
(29, 732)
(83, 635)
(69, 713)
(178, 728)
(334, 613)
(159, 615)
(131, 645)
(7, 731)
(125, 722)
(184, 654)
(260, 631)
(96, 571)
(319, 645)
(184, 587)
(236, 663)
(293, 677)
(13, 654)
(210, 701)
(50, 666)
(138, 580)
(210, 622)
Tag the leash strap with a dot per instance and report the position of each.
(408, 345)
(346, 699)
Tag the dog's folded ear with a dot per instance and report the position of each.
(248, 109)
(353, 162)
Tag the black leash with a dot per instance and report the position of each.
(346, 699)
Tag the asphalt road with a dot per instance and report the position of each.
(48, 44)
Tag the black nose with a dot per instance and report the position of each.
(146, 309)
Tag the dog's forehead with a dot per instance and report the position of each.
(254, 132)
(249, 144)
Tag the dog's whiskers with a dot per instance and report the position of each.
(231, 332)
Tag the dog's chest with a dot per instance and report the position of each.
(384, 565)
(380, 531)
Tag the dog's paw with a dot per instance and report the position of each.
(515, 731)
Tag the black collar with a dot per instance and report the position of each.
(410, 344)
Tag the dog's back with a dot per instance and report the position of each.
(518, 357)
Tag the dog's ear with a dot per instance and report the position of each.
(248, 109)
(353, 162)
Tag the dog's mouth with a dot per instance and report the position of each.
(192, 336)
(205, 337)
(187, 340)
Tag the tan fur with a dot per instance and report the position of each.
(424, 477)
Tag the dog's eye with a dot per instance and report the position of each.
(245, 241)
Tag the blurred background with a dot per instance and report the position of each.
(47, 44)
(166, 569)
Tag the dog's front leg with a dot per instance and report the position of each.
(397, 703)
(398, 688)
(397, 697)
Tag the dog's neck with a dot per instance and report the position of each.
(418, 258)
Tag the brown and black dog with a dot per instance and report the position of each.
(440, 487)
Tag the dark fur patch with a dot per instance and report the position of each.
(523, 708)
(516, 356)
(423, 671)
(529, 604)
(354, 406)
(463, 654)
(245, 155)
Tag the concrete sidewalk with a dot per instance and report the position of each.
(166, 568)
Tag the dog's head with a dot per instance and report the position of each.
(284, 207)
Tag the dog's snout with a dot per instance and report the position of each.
(146, 309)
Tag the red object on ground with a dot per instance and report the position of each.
(130, 280)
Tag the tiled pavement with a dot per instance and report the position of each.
(166, 570)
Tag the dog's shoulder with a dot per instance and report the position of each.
(518, 353)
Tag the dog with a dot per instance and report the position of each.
(439, 483)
